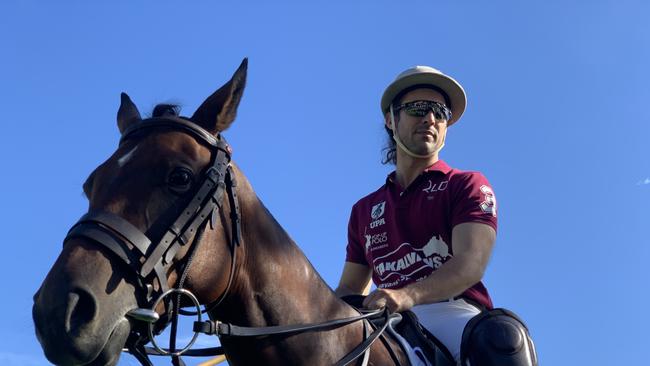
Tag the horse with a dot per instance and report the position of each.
(109, 267)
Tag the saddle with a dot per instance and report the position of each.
(423, 343)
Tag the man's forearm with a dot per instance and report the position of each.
(473, 244)
(355, 280)
(451, 279)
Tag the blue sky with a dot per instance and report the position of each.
(557, 120)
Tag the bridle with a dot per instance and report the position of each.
(151, 260)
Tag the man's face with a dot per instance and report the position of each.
(421, 135)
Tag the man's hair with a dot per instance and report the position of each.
(390, 151)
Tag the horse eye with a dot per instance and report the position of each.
(180, 179)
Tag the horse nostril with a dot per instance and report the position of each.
(81, 309)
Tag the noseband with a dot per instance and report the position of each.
(149, 259)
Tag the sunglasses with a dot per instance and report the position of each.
(421, 108)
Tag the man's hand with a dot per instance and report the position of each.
(394, 300)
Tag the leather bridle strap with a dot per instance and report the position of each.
(235, 217)
(215, 327)
(235, 241)
(173, 123)
(365, 345)
(203, 352)
(115, 233)
(194, 215)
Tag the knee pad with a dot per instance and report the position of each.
(497, 338)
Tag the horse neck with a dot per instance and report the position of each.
(275, 283)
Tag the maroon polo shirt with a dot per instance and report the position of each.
(406, 234)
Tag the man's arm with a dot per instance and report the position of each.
(472, 243)
(355, 280)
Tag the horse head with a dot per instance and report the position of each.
(113, 259)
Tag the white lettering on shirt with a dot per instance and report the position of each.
(441, 186)
(377, 223)
(432, 256)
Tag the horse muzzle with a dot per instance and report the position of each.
(71, 332)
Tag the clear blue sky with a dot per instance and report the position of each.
(557, 120)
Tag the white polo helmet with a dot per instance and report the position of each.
(425, 75)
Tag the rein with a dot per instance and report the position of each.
(150, 260)
(229, 330)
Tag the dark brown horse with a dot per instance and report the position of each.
(80, 310)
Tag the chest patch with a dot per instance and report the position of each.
(408, 262)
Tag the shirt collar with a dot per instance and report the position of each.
(438, 166)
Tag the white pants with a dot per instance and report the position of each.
(446, 321)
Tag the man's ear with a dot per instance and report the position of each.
(127, 114)
(387, 121)
(219, 110)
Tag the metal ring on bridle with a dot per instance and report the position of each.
(150, 325)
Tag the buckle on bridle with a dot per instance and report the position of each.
(213, 174)
(214, 327)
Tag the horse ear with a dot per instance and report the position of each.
(127, 114)
(218, 111)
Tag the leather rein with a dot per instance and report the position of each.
(151, 260)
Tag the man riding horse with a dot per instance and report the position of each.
(170, 214)
(426, 235)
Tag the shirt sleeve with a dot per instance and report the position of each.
(355, 251)
(474, 201)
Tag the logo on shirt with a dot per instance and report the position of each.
(376, 213)
(405, 261)
(438, 247)
(436, 187)
(489, 205)
(376, 239)
(377, 210)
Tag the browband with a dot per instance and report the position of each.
(172, 123)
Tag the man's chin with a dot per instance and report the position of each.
(429, 150)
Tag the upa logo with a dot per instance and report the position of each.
(376, 213)
(378, 210)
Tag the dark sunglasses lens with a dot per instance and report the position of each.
(439, 113)
(417, 111)
(420, 109)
